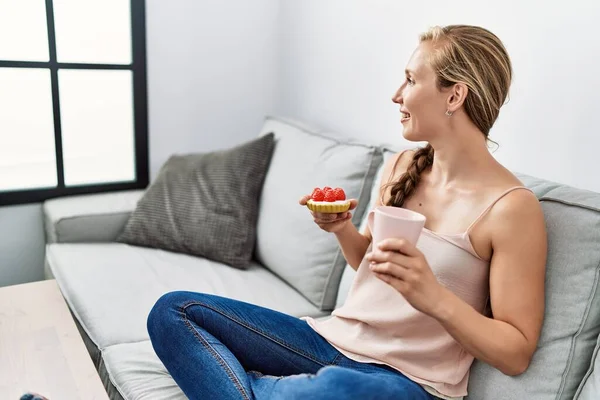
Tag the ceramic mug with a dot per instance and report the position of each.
(395, 222)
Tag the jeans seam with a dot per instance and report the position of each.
(256, 330)
(216, 356)
(335, 360)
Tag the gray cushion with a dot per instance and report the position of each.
(89, 218)
(590, 385)
(137, 373)
(572, 319)
(205, 204)
(111, 287)
(289, 243)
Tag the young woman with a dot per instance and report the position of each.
(416, 316)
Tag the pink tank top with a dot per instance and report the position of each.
(377, 325)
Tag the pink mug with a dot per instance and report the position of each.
(395, 222)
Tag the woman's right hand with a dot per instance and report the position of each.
(331, 222)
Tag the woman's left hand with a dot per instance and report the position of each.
(401, 265)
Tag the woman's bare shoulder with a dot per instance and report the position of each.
(393, 169)
(516, 207)
(505, 180)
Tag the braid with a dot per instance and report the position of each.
(406, 185)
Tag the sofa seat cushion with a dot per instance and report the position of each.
(111, 287)
(590, 385)
(137, 373)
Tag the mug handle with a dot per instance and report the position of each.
(370, 219)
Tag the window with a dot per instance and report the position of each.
(73, 106)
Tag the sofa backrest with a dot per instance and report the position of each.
(288, 241)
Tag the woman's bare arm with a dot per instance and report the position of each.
(354, 245)
(517, 275)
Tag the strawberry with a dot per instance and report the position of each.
(326, 188)
(339, 194)
(317, 195)
(330, 195)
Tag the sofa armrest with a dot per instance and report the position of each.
(89, 218)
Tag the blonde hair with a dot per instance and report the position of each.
(475, 57)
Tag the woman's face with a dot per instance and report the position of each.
(422, 104)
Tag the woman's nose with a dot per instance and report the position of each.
(397, 97)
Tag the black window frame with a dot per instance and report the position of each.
(140, 112)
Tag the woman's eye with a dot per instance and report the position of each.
(410, 81)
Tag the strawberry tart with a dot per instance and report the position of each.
(328, 200)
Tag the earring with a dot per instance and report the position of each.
(448, 113)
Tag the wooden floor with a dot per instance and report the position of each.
(40, 348)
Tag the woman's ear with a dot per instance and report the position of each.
(458, 94)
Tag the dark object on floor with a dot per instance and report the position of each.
(32, 396)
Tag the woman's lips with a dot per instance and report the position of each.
(405, 116)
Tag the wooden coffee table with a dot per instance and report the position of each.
(40, 348)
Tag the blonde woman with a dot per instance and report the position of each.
(416, 316)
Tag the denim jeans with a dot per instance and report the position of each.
(219, 348)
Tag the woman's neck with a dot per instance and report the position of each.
(460, 160)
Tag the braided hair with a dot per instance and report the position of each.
(406, 185)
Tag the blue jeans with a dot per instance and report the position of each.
(219, 348)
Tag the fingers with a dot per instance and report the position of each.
(380, 257)
(389, 268)
(396, 283)
(332, 216)
(304, 199)
(324, 216)
(399, 245)
(332, 226)
(353, 203)
(321, 218)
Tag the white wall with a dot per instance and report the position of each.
(341, 61)
(212, 73)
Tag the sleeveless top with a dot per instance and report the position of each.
(377, 325)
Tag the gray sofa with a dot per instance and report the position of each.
(110, 287)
